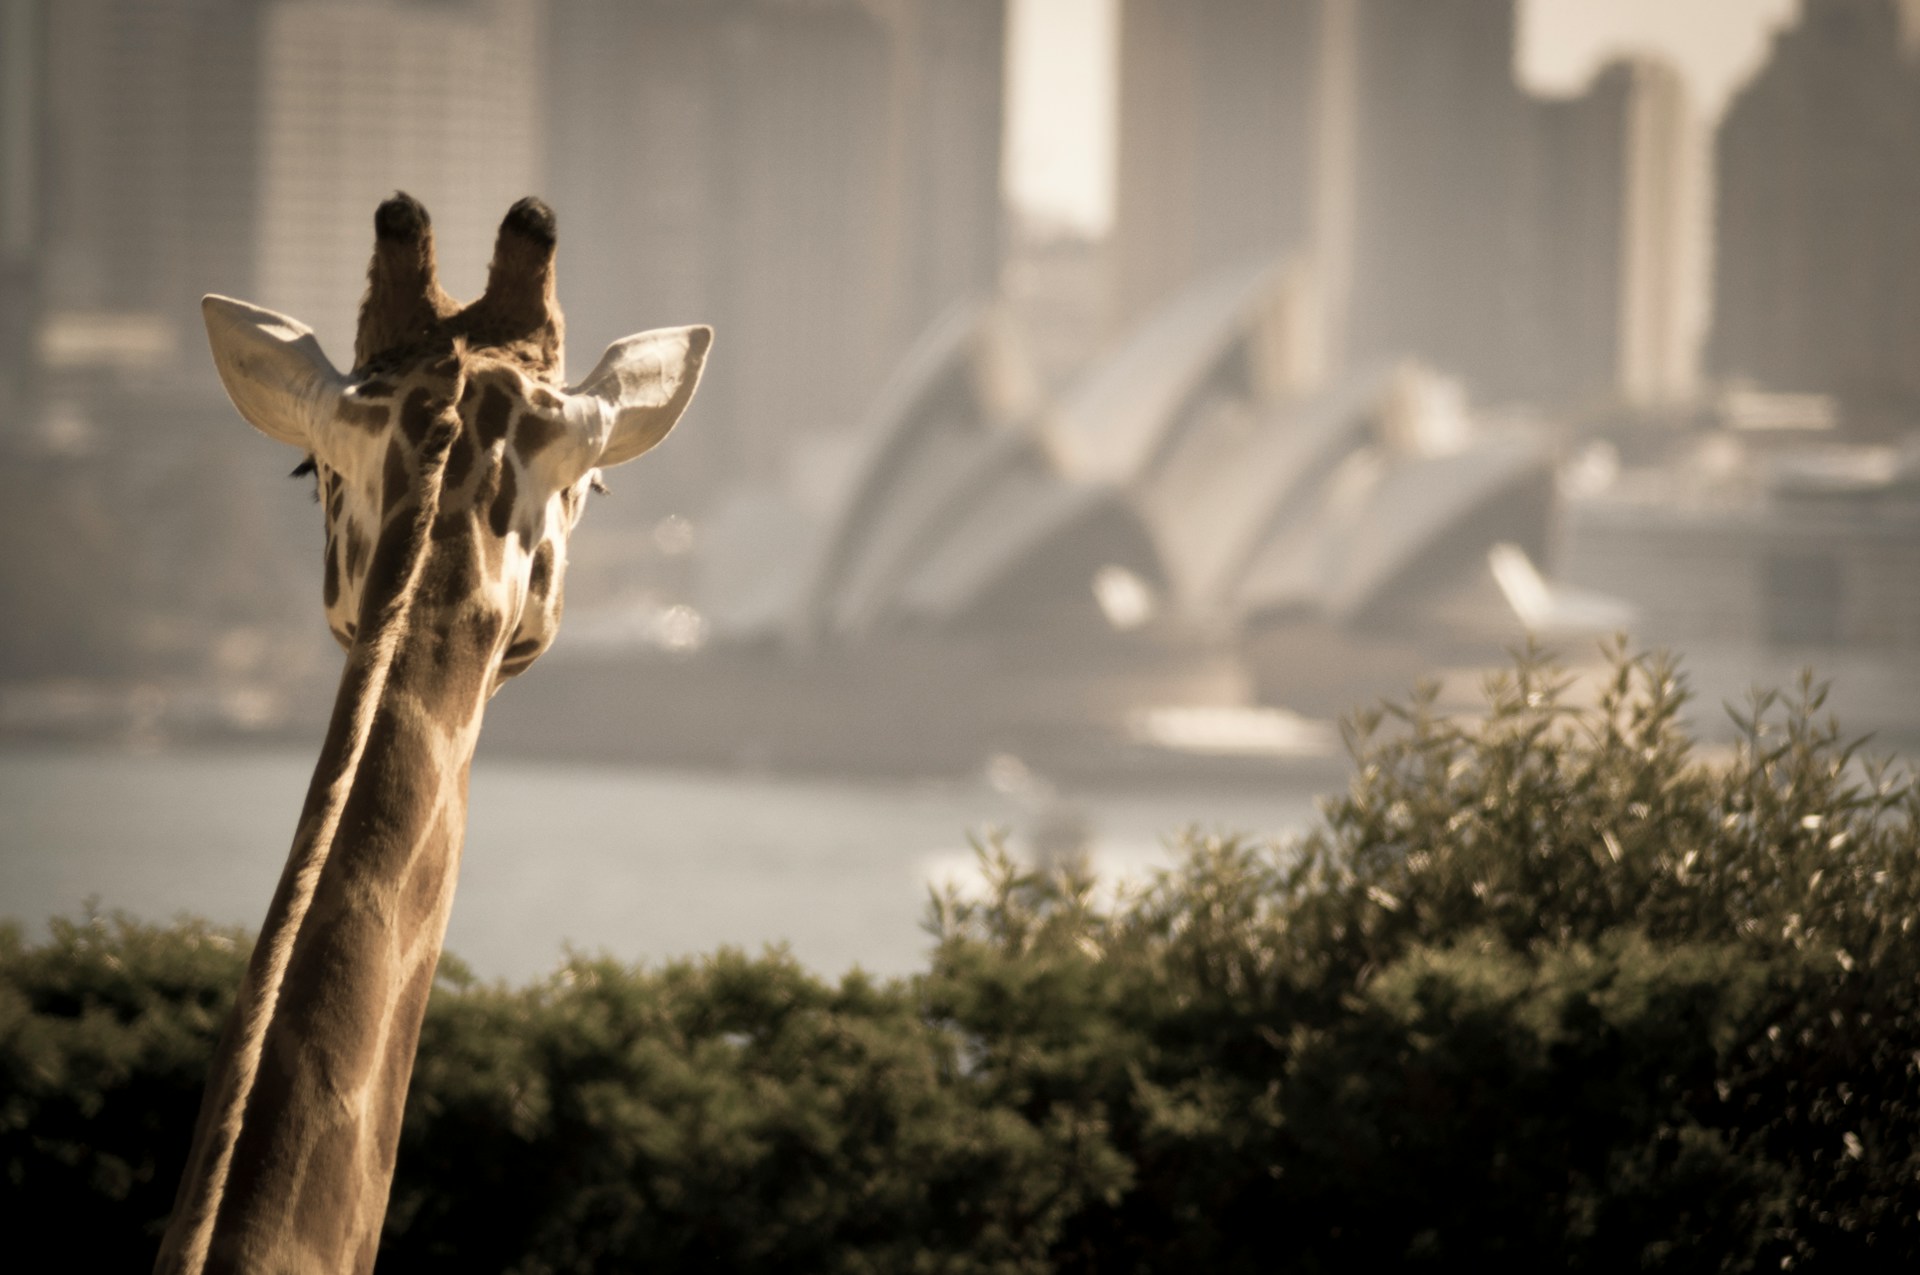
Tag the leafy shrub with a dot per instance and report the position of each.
(1549, 988)
(106, 1031)
(727, 1114)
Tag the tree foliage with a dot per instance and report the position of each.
(1550, 987)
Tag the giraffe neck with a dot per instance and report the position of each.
(293, 1155)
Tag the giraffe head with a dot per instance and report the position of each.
(451, 463)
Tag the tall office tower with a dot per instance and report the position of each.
(1438, 190)
(817, 178)
(1386, 142)
(1221, 105)
(359, 98)
(1663, 281)
(1817, 277)
(149, 165)
(23, 121)
(1613, 264)
(955, 98)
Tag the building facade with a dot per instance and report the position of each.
(148, 172)
(1817, 276)
(359, 98)
(818, 180)
(1221, 153)
(1614, 262)
(23, 153)
(1540, 249)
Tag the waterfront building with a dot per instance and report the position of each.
(359, 98)
(142, 194)
(1616, 255)
(1221, 104)
(818, 180)
(1817, 277)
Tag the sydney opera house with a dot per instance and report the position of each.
(1191, 525)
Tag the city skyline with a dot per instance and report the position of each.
(1063, 95)
(1358, 252)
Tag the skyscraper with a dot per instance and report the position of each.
(149, 164)
(1220, 147)
(23, 122)
(1613, 264)
(1440, 133)
(1664, 188)
(1533, 248)
(1817, 277)
(818, 180)
(359, 98)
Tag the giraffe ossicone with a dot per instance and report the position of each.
(452, 466)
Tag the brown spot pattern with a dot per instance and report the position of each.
(330, 586)
(375, 389)
(388, 809)
(324, 1205)
(356, 551)
(426, 882)
(534, 434)
(490, 422)
(459, 462)
(452, 574)
(396, 481)
(417, 414)
(408, 1013)
(367, 416)
(540, 572)
(343, 945)
(391, 557)
(501, 513)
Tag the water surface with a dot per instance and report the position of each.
(640, 864)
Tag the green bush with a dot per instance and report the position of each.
(106, 1030)
(1549, 989)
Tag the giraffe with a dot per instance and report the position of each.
(452, 466)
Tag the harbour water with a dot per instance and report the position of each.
(639, 864)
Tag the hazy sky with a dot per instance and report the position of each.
(1061, 71)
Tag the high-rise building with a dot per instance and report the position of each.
(149, 165)
(1379, 140)
(1817, 271)
(1439, 137)
(359, 98)
(23, 122)
(818, 180)
(1614, 262)
(1532, 248)
(1221, 107)
(1664, 232)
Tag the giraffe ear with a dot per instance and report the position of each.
(273, 369)
(643, 383)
